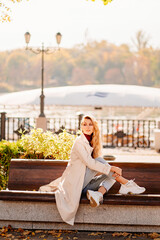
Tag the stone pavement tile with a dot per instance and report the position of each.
(130, 154)
(128, 151)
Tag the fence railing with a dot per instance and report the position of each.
(2, 125)
(57, 125)
(115, 132)
(127, 133)
(13, 127)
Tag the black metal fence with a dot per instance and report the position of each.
(57, 125)
(127, 133)
(115, 132)
(2, 125)
(13, 127)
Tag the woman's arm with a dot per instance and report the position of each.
(116, 171)
(90, 162)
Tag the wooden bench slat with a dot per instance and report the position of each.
(31, 174)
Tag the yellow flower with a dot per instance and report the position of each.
(106, 1)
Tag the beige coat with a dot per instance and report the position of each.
(69, 186)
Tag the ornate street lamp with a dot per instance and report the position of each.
(42, 50)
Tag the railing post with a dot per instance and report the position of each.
(41, 123)
(3, 125)
(157, 137)
(80, 116)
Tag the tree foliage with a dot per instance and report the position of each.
(141, 40)
(41, 144)
(7, 151)
(5, 10)
(94, 63)
(37, 145)
(105, 2)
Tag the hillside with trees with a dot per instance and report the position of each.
(93, 63)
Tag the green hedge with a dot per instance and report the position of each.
(37, 145)
(8, 150)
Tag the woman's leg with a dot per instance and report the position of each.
(103, 188)
(89, 175)
(95, 180)
(100, 181)
(92, 183)
(127, 186)
(119, 179)
(100, 184)
(94, 189)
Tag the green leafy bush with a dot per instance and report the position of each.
(7, 151)
(37, 145)
(41, 144)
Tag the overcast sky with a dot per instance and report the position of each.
(80, 21)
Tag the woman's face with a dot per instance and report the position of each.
(87, 127)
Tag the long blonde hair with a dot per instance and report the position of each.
(96, 137)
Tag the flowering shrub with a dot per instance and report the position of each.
(105, 1)
(7, 151)
(41, 144)
(36, 145)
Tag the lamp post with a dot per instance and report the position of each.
(42, 50)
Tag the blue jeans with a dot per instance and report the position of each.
(93, 182)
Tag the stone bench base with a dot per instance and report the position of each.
(107, 217)
(35, 210)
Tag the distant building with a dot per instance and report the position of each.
(95, 96)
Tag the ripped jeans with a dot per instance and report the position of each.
(93, 182)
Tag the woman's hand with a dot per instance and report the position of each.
(116, 171)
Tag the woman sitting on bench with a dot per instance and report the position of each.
(87, 173)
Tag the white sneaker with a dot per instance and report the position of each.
(95, 198)
(131, 187)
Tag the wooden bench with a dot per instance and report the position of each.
(26, 176)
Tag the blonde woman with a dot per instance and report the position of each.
(87, 173)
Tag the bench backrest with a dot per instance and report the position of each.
(31, 174)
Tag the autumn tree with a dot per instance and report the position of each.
(5, 10)
(82, 76)
(60, 69)
(94, 63)
(141, 41)
(155, 67)
(16, 67)
(105, 1)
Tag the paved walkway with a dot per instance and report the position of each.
(9, 234)
(131, 154)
